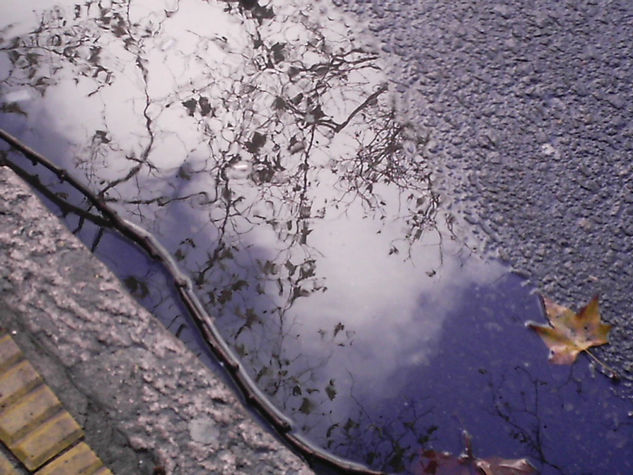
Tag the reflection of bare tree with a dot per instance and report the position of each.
(390, 441)
(41, 54)
(268, 147)
(521, 412)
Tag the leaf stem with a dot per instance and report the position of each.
(611, 373)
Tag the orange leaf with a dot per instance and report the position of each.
(569, 333)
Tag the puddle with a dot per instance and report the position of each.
(263, 152)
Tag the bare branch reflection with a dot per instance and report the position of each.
(233, 147)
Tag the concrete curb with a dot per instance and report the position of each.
(143, 399)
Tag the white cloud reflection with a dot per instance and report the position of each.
(394, 308)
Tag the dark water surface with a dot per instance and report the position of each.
(262, 149)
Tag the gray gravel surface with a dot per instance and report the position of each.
(529, 105)
(142, 397)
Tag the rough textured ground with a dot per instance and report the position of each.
(142, 397)
(529, 106)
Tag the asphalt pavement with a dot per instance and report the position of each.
(145, 402)
(529, 107)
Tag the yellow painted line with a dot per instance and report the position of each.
(34, 425)
(27, 412)
(9, 352)
(16, 382)
(6, 467)
(47, 440)
(79, 459)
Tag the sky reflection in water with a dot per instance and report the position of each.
(262, 149)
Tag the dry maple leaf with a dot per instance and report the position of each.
(444, 463)
(569, 333)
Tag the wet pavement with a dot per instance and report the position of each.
(143, 400)
(346, 249)
(528, 106)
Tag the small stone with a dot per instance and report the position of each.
(204, 430)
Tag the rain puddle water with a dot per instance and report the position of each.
(260, 146)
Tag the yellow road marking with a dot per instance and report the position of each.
(35, 426)
(79, 459)
(9, 352)
(6, 467)
(27, 412)
(16, 382)
(47, 440)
